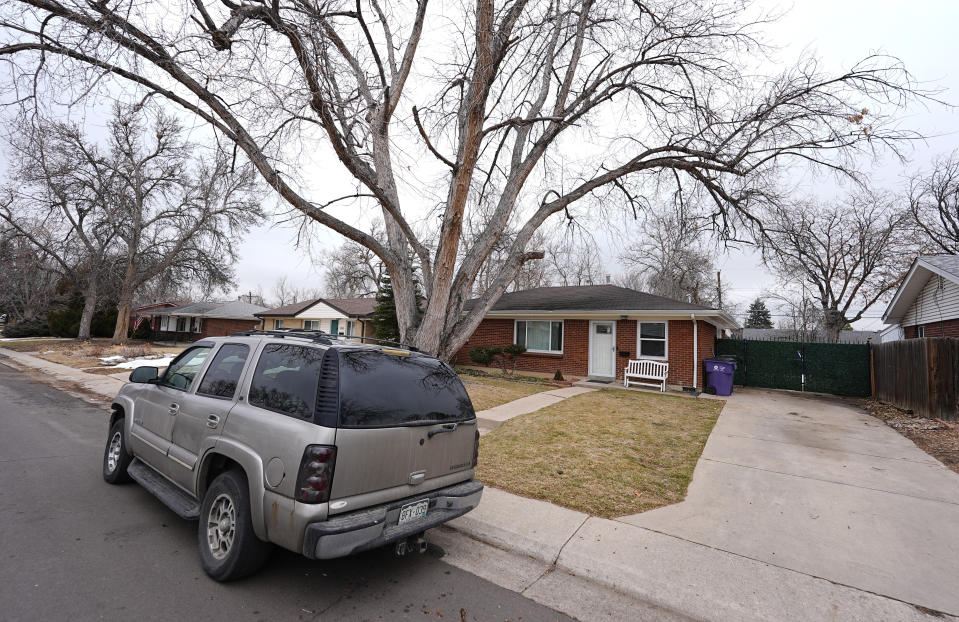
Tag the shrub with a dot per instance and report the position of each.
(484, 356)
(501, 356)
(558, 376)
(143, 332)
(33, 327)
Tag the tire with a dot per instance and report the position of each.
(229, 549)
(116, 458)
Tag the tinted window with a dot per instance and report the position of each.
(184, 368)
(285, 380)
(223, 375)
(379, 389)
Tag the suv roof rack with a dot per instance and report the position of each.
(319, 336)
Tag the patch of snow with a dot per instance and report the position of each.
(163, 361)
(111, 361)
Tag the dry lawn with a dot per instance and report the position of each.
(487, 392)
(608, 453)
(85, 354)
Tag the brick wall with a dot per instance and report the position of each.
(575, 358)
(218, 327)
(949, 328)
(211, 327)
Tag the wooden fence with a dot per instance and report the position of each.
(919, 374)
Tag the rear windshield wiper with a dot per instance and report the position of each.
(449, 427)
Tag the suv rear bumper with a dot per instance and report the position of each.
(376, 526)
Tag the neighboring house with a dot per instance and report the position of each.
(350, 317)
(594, 330)
(205, 319)
(810, 336)
(146, 312)
(927, 301)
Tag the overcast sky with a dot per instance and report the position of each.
(840, 33)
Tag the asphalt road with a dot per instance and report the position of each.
(73, 547)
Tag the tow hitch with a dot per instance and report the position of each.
(412, 544)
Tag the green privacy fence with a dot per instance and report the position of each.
(837, 368)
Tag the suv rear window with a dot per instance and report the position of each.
(285, 380)
(379, 389)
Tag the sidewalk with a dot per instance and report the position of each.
(494, 417)
(716, 556)
(107, 386)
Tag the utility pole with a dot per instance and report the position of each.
(719, 288)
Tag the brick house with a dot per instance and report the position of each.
(927, 301)
(204, 319)
(592, 331)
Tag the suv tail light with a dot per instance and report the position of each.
(316, 474)
(476, 450)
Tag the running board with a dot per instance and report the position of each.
(181, 503)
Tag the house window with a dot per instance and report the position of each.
(165, 322)
(277, 324)
(350, 328)
(652, 340)
(181, 324)
(311, 324)
(195, 321)
(540, 336)
(921, 331)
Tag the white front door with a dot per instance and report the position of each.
(602, 349)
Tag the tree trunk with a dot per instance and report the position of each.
(89, 308)
(123, 321)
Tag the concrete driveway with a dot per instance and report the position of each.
(818, 486)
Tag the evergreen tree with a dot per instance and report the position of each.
(384, 313)
(758, 315)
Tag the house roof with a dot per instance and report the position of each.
(598, 299)
(231, 310)
(290, 309)
(349, 307)
(924, 266)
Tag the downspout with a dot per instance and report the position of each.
(695, 351)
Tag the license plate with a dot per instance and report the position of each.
(413, 511)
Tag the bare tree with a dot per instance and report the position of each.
(505, 111)
(674, 259)
(28, 275)
(285, 293)
(934, 202)
(352, 270)
(60, 207)
(573, 260)
(175, 214)
(849, 254)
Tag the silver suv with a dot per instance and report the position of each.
(323, 446)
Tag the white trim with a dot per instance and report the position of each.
(589, 349)
(639, 339)
(562, 338)
(695, 350)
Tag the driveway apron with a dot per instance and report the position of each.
(816, 485)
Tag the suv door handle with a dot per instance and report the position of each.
(212, 421)
(174, 409)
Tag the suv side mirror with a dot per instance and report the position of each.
(145, 375)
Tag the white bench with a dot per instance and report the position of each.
(649, 373)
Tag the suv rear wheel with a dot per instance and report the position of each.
(229, 548)
(116, 458)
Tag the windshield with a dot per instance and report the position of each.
(379, 389)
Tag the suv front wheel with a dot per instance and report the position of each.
(116, 458)
(229, 548)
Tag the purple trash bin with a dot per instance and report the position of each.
(719, 375)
